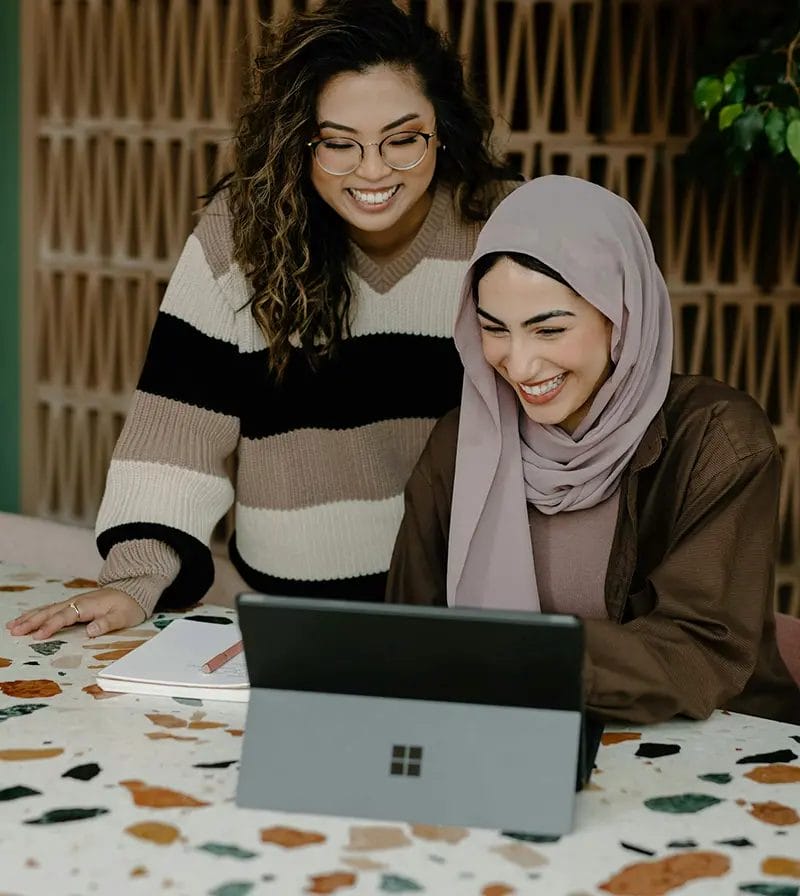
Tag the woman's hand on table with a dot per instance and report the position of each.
(104, 610)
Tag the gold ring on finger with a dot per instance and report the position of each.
(77, 611)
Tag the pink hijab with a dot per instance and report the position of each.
(599, 245)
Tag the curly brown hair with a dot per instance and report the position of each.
(289, 242)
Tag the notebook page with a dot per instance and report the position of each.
(176, 654)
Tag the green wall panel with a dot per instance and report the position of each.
(9, 254)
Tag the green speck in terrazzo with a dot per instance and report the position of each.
(393, 883)
(23, 709)
(721, 778)
(681, 803)
(227, 849)
(15, 793)
(47, 648)
(232, 888)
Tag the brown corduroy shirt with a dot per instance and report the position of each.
(689, 585)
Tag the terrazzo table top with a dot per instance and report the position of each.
(119, 794)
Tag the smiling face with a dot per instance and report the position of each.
(383, 208)
(548, 343)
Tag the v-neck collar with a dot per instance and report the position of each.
(382, 277)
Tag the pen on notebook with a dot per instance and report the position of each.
(221, 658)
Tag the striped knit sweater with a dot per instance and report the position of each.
(321, 459)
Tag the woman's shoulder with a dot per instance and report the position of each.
(214, 232)
(715, 409)
(438, 459)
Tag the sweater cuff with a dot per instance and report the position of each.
(141, 568)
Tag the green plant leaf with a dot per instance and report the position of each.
(792, 113)
(729, 114)
(747, 127)
(707, 93)
(793, 139)
(733, 83)
(775, 129)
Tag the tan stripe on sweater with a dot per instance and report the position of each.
(312, 467)
(165, 431)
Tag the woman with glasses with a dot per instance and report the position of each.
(306, 330)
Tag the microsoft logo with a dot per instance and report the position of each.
(406, 760)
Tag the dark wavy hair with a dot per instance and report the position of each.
(290, 243)
(486, 262)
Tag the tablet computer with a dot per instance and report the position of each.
(425, 714)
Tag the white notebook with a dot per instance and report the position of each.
(169, 664)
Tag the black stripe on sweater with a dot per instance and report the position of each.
(184, 364)
(196, 574)
(381, 377)
(372, 378)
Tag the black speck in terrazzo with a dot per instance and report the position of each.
(83, 772)
(634, 848)
(736, 841)
(775, 756)
(15, 793)
(795, 737)
(62, 673)
(531, 838)
(768, 889)
(217, 620)
(226, 764)
(682, 844)
(781, 833)
(31, 663)
(267, 877)
(57, 816)
(654, 751)
(438, 859)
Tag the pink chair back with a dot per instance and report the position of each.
(787, 632)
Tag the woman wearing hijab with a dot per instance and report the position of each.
(580, 476)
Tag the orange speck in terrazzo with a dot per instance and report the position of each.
(154, 797)
(330, 883)
(774, 813)
(664, 875)
(23, 755)
(618, 737)
(166, 720)
(29, 689)
(94, 690)
(155, 832)
(290, 838)
(776, 773)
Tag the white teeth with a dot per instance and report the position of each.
(374, 198)
(545, 387)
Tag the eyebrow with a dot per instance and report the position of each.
(393, 124)
(536, 319)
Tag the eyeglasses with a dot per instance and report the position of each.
(342, 155)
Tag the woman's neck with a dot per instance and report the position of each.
(384, 245)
